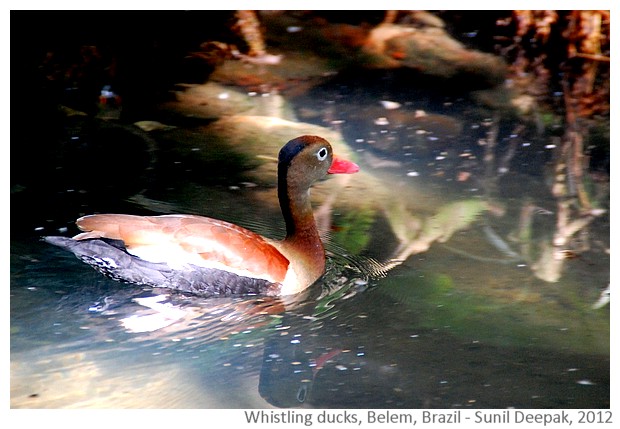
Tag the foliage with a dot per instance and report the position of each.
(562, 51)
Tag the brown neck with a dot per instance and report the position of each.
(302, 236)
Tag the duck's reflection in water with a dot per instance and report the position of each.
(334, 346)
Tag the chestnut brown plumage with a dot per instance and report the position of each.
(213, 257)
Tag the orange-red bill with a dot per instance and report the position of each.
(342, 166)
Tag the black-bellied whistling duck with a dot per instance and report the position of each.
(215, 258)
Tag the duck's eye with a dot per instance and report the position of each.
(321, 154)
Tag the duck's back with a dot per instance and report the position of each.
(183, 252)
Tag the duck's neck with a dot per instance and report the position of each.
(302, 236)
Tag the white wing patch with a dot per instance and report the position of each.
(179, 259)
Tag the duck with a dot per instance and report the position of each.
(212, 257)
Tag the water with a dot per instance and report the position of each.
(465, 321)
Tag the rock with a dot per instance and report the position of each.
(422, 45)
(149, 126)
(259, 139)
(212, 101)
(431, 51)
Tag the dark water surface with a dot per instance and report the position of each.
(462, 324)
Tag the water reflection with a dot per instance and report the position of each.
(348, 362)
(442, 288)
(343, 345)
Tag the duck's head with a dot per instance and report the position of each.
(301, 162)
(306, 159)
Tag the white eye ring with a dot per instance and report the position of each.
(321, 155)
